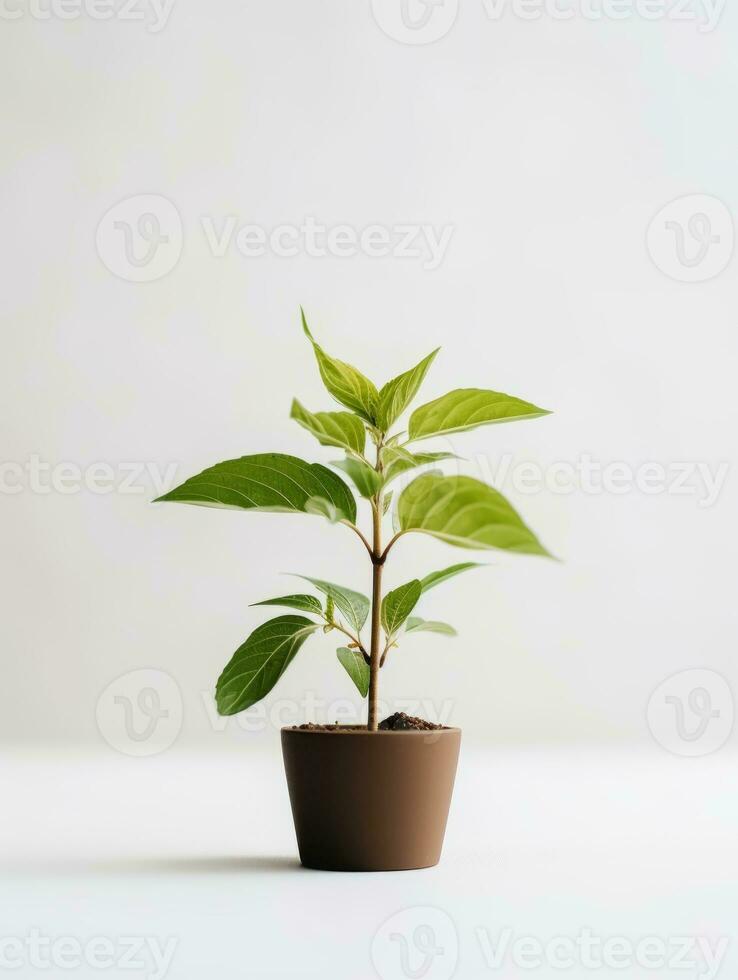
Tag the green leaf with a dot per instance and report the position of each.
(397, 394)
(341, 429)
(466, 513)
(270, 482)
(466, 408)
(387, 502)
(435, 578)
(356, 667)
(398, 604)
(347, 385)
(353, 605)
(304, 602)
(417, 625)
(366, 480)
(400, 460)
(257, 665)
(324, 508)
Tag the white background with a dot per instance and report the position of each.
(547, 146)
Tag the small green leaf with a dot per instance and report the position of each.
(387, 502)
(397, 394)
(356, 667)
(341, 429)
(347, 385)
(257, 665)
(267, 481)
(435, 578)
(399, 460)
(417, 625)
(465, 512)
(366, 480)
(398, 604)
(353, 605)
(466, 408)
(304, 602)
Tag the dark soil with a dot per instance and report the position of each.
(398, 722)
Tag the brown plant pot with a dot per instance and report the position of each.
(370, 801)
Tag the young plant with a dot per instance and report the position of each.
(457, 509)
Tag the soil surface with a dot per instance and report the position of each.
(398, 722)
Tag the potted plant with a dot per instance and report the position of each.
(374, 797)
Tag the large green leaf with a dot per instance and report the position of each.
(466, 513)
(398, 604)
(342, 429)
(268, 481)
(303, 602)
(356, 667)
(466, 408)
(257, 665)
(397, 394)
(347, 384)
(435, 578)
(399, 460)
(353, 605)
(366, 479)
(417, 625)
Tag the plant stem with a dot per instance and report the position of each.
(375, 654)
(349, 634)
(378, 559)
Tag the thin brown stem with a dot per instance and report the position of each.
(350, 635)
(377, 563)
(363, 539)
(387, 549)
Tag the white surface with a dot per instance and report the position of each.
(201, 849)
(548, 146)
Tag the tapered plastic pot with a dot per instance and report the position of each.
(370, 801)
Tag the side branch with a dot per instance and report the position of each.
(383, 557)
(355, 529)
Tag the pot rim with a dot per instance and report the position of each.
(354, 730)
